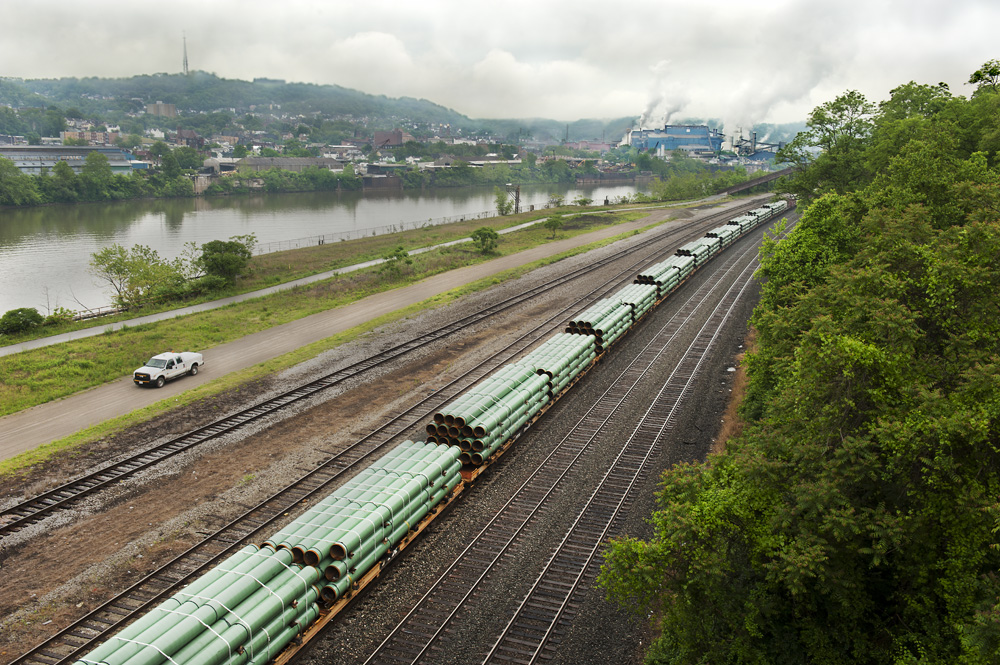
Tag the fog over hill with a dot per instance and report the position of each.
(204, 93)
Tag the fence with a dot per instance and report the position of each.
(309, 241)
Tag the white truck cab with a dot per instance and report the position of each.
(165, 366)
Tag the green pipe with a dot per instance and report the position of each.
(274, 637)
(148, 627)
(189, 619)
(242, 561)
(381, 485)
(267, 606)
(350, 535)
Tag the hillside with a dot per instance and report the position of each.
(113, 99)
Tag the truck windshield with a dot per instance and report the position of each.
(156, 362)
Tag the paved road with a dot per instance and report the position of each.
(49, 422)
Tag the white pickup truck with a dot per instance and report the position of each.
(161, 368)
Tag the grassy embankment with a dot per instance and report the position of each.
(40, 375)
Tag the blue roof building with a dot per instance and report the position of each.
(689, 138)
(31, 159)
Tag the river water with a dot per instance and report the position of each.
(45, 251)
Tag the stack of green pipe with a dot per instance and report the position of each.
(453, 425)
(667, 274)
(345, 534)
(697, 249)
(245, 610)
(639, 297)
(726, 233)
(606, 320)
(744, 222)
(561, 359)
(479, 421)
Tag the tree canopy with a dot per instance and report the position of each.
(857, 519)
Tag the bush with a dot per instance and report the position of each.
(207, 284)
(486, 239)
(18, 320)
(59, 315)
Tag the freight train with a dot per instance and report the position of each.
(256, 603)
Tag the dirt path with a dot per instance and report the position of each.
(45, 423)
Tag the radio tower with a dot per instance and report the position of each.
(185, 54)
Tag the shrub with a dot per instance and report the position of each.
(18, 320)
(486, 239)
(59, 315)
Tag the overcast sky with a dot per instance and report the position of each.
(744, 62)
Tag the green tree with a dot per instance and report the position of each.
(833, 145)
(159, 149)
(187, 157)
(16, 188)
(987, 76)
(856, 519)
(504, 204)
(486, 240)
(553, 223)
(135, 275)
(96, 177)
(19, 320)
(171, 168)
(227, 258)
(129, 141)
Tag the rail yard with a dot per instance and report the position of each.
(526, 523)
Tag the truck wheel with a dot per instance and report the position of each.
(194, 369)
(159, 382)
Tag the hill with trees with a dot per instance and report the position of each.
(209, 103)
(857, 518)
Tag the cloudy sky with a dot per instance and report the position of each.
(744, 62)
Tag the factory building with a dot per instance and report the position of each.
(693, 139)
(31, 159)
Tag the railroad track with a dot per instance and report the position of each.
(424, 633)
(77, 638)
(546, 612)
(37, 508)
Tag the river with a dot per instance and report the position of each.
(45, 251)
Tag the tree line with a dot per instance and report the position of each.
(857, 517)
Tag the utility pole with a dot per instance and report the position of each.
(514, 192)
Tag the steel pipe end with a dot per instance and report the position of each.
(311, 557)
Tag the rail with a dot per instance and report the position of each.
(416, 638)
(73, 640)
